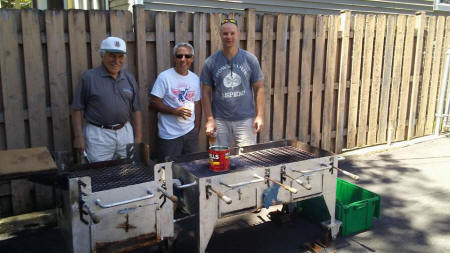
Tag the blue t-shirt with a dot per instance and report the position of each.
(231, 82)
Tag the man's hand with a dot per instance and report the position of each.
(183, 112)
(78, 143)
(258, 124)
(210, 127)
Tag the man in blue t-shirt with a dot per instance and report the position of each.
(232, 91)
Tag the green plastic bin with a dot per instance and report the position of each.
(355, 207)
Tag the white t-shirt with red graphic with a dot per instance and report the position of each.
(175, 90)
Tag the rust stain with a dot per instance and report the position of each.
(128, 245)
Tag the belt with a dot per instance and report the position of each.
(111, 127)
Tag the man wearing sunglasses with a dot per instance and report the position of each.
(233, 92)
(176, 96)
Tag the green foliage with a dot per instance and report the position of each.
(17, 4)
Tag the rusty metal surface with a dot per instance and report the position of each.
(128, 245)
(114, 175)
(260, 158)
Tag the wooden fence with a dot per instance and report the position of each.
(336, 82)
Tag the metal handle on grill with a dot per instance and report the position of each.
(99, 202)
(178, 185)
(93, 216)
(306, 186)
(322, 167)
(260, 179)
(351, 175)
(286, 187)
(220, 195)
(165, 193)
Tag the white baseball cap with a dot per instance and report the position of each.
(113, 45)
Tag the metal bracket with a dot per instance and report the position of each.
(283, 174)
(267, 175)
(207, 191)
(81, 201)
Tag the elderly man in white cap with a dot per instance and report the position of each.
(107, 98)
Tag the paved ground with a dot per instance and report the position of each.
(413, 182)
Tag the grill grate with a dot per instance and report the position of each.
(260, 158)
(110, 177)
(273, 156)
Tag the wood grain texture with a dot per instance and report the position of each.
(355, 80)
(305, 78)
(366, 81)
(181, 27)
(250, 28)
(396, 77)
(386, 79)
(316, 107)
(420, 24)
(97, 32)
(293, 82)
(376, 80)
(266, 67)
(330, 74)
(77, 45)
(280, 77)
(345, 21)
(406, 78)
(162, 29)
(58, 79)
(434, 83)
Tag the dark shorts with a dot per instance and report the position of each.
(185, 144)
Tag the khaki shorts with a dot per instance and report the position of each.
(240, 131)
(106, 144)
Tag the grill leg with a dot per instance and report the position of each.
(207, 216)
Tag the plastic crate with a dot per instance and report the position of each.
(355, 207)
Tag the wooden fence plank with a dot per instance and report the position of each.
(386, 79)
(57, 77)
(141, 67)
(376, 80)
(355, 80)
(22, 199)
(250, 25)
(396, 77)
(280, 77)
(36, 97)
(305, 78)
(97, 32)
(406, 77)
(294, 54)
(199, 38)
(316, 107)
(77, 43)
(445, 46)
(34, 78)
(122, 26)
(420, 24)
(424, 92)
(214, 22)
(434, 83)
(365, 82)
(162, 33)
(12, 89)
(181, 27)
(330, 74)
(343, 75)
(266, 66)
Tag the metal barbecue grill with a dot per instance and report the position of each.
(260, 176)
(116, 205)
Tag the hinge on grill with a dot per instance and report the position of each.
(267, 175)
(81, 201)
(282, 173)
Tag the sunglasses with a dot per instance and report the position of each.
(229, 20)
(187, 56)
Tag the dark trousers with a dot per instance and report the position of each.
(185, 144)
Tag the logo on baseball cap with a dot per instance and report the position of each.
(113, 45)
